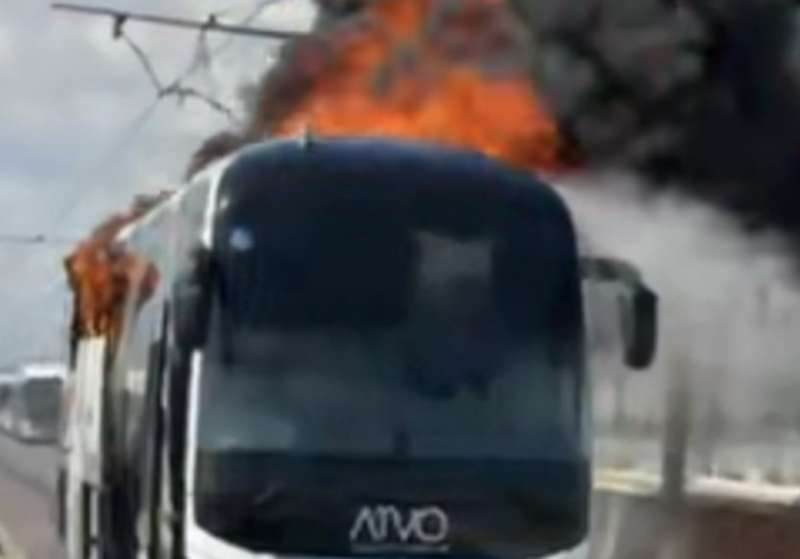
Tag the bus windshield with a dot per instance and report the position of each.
(453, 375)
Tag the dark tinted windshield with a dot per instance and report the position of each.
(425, 361)
(347, 322)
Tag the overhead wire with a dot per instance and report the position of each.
(36, 239)
(130, 132)
(248, 19)
(144, 60)
(176, 88)
(87, 186)
(25, 330)
(14, 315)
(204, 55)
(138, 122)
(84, 179)
(202, 59)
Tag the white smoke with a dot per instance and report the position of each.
(729, 315)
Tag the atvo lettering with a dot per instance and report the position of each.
(388, 524)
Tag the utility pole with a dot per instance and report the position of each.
(120, 17)
(679, 367)
(620, 419)
(676, 433)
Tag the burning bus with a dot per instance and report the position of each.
(361, 331)
(347, 347)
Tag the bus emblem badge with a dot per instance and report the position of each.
(388, 525)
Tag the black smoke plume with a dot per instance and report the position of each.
(698, 95)
(702, 95)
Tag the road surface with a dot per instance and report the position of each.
(26, 485)
(625, 527)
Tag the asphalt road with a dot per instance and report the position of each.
(27, 479)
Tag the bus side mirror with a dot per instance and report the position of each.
(191, 302)
(639, 312)
(638, 308)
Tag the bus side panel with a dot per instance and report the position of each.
(84, 449)
(87, 408)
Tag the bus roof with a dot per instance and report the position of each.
(401, 168)
(389, 161)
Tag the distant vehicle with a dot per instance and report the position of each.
(30, 402)
(357, 347)
(7, 382)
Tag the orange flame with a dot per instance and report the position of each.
(454, 73)
(103, 275)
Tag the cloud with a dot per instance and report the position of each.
(77, 140)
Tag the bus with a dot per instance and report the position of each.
(358, 347)
(30, 402)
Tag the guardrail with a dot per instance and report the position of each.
(700, 488)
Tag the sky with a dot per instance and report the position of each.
(81, 133)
